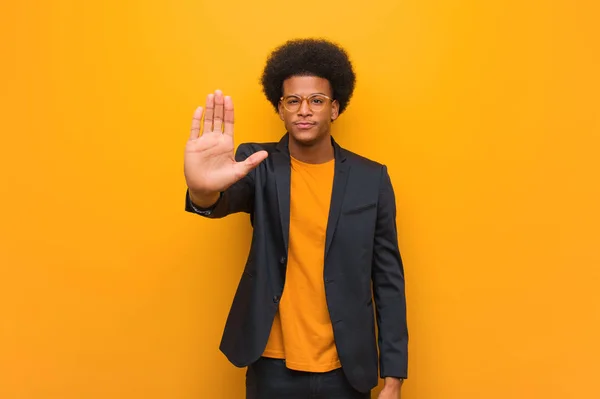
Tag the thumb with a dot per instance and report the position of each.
(251, 162)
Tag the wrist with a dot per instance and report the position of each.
(393, 381)
(203, 199)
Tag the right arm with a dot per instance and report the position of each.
(219, 183)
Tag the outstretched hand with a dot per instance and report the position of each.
(209, 161)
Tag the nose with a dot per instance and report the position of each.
(304, 109)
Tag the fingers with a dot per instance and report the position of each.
(228, 116)
(253, 161)
(209, 113)
(218, 109)
(244, 167)
(218, 117)
(195, 130)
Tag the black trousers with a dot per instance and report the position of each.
(270, 379)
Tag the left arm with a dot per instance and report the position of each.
(389, 293)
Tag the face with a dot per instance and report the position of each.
(308, 126)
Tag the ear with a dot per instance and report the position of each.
(280, 110)
(335, 110)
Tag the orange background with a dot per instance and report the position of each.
(486, 113)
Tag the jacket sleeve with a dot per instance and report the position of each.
(239, 197)
(388, 286)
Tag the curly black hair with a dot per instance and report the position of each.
(309, 57)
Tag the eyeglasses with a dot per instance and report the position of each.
(316, 102)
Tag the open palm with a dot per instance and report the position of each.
(209, 162)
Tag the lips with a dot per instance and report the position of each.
(304, 124)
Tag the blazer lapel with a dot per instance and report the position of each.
(342, 169)
(281, 161)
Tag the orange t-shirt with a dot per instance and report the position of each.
(302, 333)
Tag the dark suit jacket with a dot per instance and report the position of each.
(362, 262)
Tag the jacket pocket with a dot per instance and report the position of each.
(359, 208)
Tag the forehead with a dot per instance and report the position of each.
(305, 85)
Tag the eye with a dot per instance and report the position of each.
(317, 100)
(292, 101)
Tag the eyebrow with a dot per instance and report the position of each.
(311, 94)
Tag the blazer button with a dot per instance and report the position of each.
(276, 298)
(282, 260)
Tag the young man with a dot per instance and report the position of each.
(324, 238)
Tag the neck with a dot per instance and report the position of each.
(317, 152)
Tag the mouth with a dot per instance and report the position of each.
(303, 125)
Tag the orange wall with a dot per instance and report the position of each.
(486, 113)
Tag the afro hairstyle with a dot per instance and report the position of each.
(309, 57)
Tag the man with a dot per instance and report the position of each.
(324, 237)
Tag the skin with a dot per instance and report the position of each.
(391, 388)
(310, 144)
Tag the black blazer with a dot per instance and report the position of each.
(362, 261)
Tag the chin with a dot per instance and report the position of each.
(306, 137)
